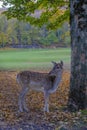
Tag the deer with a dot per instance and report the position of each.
(47, 83)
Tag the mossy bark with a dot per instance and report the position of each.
(78, 81)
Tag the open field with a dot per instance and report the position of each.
(37, 59)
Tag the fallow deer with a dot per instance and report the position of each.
(44, 82)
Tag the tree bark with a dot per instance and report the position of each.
(78, 80)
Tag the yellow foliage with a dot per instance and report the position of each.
(58, 13)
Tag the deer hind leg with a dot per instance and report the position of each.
(46, 98)
(21, 102)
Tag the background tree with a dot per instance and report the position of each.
(54, 13)
(21, 34)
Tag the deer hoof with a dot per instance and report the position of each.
(46, 110)
(25, 109)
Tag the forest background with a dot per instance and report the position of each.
(19, 34)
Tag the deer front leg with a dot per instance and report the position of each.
(24, 100)
(46, 98)
(21, 102)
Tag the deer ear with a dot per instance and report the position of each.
(61, 62)
(54, 63)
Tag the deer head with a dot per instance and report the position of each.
(57, 68)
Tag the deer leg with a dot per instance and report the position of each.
(46, 97)
(21, 101)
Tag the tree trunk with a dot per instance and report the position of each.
(78, 81)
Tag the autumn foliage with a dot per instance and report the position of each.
(9, 91)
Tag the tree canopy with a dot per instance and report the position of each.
(52, 13)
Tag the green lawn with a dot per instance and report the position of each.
(16, 59)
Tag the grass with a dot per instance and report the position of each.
(32, 58)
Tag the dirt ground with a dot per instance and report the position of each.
(57, 118)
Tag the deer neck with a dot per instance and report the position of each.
(56, 83)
